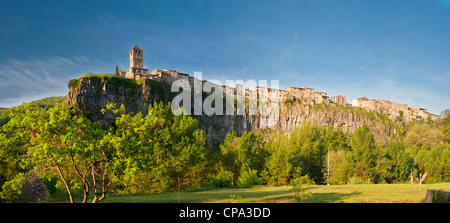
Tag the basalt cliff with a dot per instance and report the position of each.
(91, 93)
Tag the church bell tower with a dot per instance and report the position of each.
(136, 57)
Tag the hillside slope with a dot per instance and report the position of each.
(44, 104)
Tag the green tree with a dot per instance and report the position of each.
(117, 70)
(228, 155)
(438, 164)
(306, 144)
(335, 143)
(420, 156)
(335, 139)
(300, 182)
(384, 166)
(445, 116)
(277, 166)
(403, 163)
(13, 148)
(424, 135)
(362, 143)
(394, 163)
(62, 143)
(241, 154)
(339, 167)
(164, 151)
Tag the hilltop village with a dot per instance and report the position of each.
(302, 95)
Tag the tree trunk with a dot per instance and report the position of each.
(83, 178)
(64, 181)
(94, 184)
(86, 193)
(105, 189)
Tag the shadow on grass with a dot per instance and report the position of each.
(268, 196)
(227, 195)
(331, 197)
(307, 196)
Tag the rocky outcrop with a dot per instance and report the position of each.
(91, 93)
(295, 115)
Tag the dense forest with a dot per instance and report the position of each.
(166, 152)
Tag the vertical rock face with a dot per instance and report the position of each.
(91, 93)
(296, 115)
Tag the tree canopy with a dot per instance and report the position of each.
(167, 152)
(60, 143)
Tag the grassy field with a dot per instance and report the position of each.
(364, 193)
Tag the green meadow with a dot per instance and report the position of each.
(360, 193)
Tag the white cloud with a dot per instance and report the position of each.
(35, 78)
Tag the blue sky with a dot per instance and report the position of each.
(393, 50)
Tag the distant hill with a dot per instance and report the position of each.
(44, 104)
(4, 112)
(48, 102)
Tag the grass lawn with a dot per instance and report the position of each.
(364, 193)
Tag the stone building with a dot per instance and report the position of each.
(303, 95)
(136, 69)
(339, 100)
(393, 109)
(168, 76)
(307, 95)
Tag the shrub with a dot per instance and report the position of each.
(358, 180)
(300, 183)
(288, 102)
(249, 178)
(222, 179)
(74, 83)
(12, 189)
